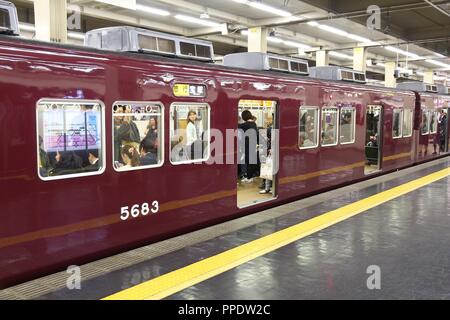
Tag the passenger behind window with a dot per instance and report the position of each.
(305, 142)
(126, 133)
(94, 164)
(251, 164)
(148, 153)
(194, 140)
(328, 137)
(130, 157)
(66, 163)
(44, 160)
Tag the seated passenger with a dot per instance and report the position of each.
(328, 135)
(148, 153)
(305, 142)
(66, 163)
(130, 157)
(94, 164)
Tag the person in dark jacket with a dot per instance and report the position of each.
(148, 153)
(250, 134)
(94, 163)
(67, 162)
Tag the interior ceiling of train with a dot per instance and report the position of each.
(413, 33)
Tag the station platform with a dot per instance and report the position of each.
(384, 238)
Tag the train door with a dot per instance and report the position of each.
(447, 130)
(257, 152)
(374, 139)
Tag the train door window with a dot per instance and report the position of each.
(329, 127)
(407, 122)
(397, 123)
(70, 136)
(434, 117)
(374, 140)
(347, 125)
(257, 151)
(425, 122)
(308, 128)
(189, 132)
(137, 135)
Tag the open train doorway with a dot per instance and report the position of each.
(374, 141)
(257, 152)
(444, 129)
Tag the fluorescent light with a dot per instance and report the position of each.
(32, 28)
(278, 40)
(203, 22)
(338, 31)
(274, 40)
(358, 38)
(296, 44)
(400, 51)
(333, 30)
(151, 10)
(26, 27)
(75, 35)
(340, 55)
(438, 63)
(265, 7)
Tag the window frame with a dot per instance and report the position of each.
(400, 122)
(161, 105)
(317, 123)
(103, 137)
(181, 103)
(354, 125)
(411, 124)
(336, 125)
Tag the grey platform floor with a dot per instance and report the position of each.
(407, 238)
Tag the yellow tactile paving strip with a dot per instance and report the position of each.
(190, 275)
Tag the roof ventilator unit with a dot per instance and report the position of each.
(9, 23)
(130, 39)
(337, 73)
(264, 61)
(418, 86)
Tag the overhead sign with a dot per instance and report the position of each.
(127, 4)
(189, 90)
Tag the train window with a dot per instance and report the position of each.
(189, 132)
(434, 117)
(4, 19)
(329, 126)
(308, 128)
(347, 125)
(397, 123)
(425, 122)
(70, 136)
(407, 122)
(137, 135)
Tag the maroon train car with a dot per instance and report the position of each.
(64, 106)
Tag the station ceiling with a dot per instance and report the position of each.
(420, 28)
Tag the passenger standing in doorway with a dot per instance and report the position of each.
(266, 184)
(250, 132)
(442, 130)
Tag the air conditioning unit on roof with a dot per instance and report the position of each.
(130, 39)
